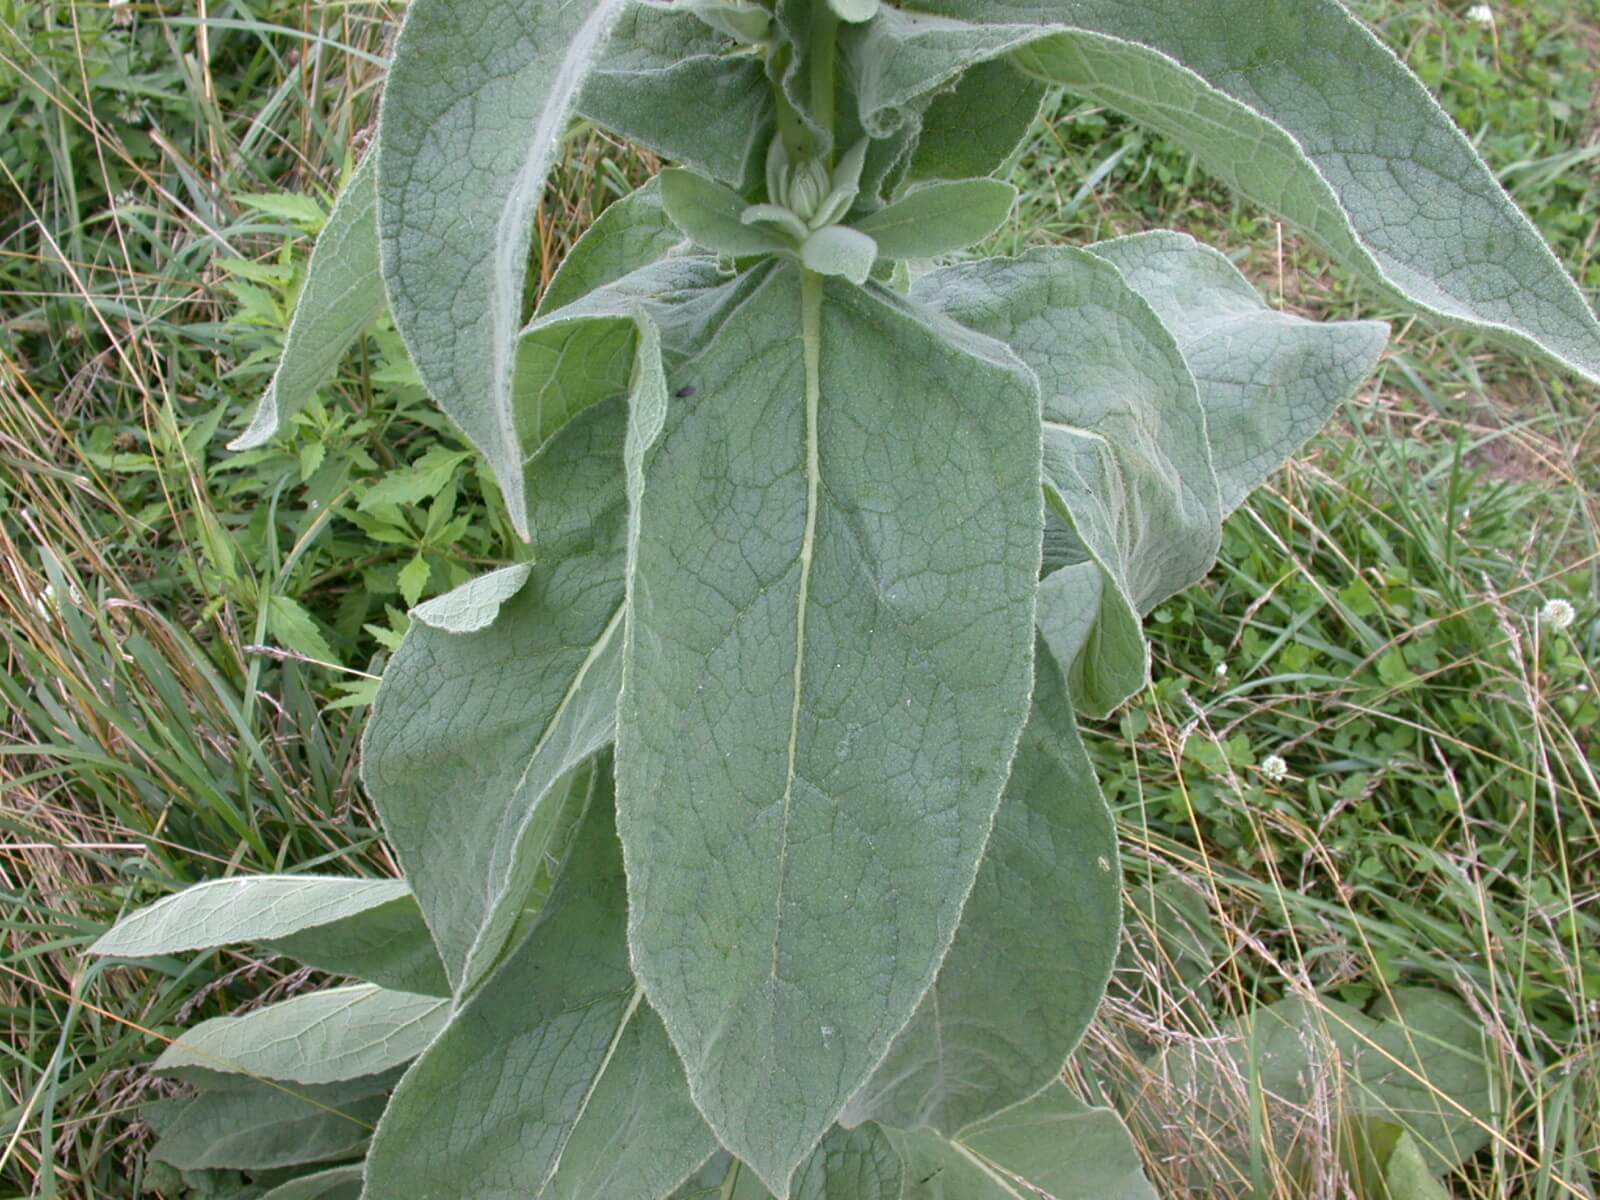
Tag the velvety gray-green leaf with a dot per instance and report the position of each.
(1062, 1147)
(1268, 380)
(709, 213)
(474, 732)
(1034, 949)
(477, 98)
(342, 295)
(321, 1037)
(388, 945)
(257, 908)
(1422, 1068)
(1094, 635)
(850, 1164)
(827, 668)
(630, 235)
(837, 251)
(337, 1183)
(973, 129)
(497, 1108)
(246, 1125)
(940, 218)
(666, 81)
(1301, 108)
(1127, 465)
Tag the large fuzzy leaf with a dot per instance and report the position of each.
(1268, 380)
(1053, 1145)
(388, 945)
(826, 670)
(630, 235)
(1299, 107)
(1031, 957)
(256, 908)
(343, 294)
(336, 1183)
(850, 1164)
(1127, 464)
(497, 695)
(478, 96)
(323, 1037)
(555, 1075)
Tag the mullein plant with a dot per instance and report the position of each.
(750, 847)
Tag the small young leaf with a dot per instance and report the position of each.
(712, 215)
(413, 578)
(940, 218)
(835, 250)
(630, 235)
(253, 909)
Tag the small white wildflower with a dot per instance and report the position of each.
(1480, 14)
(1221, 672)
(1274, 768)
(1557, 615)
(45, 603)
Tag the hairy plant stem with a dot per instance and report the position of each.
(824, 45)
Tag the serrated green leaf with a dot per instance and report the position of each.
(1034, 949)
(290, 206)
(1127, 464)
(223, 912)
(422, 480)
(789, 903)
(1268, 380)
(246, 1125)
(322, 1037)
(940, 218)
(630, 235)
(1298, 106)
(710, 213)
(835, 250)
(526, 1066)
(413, 578)
(296, 629)
(343, 294)
(477, 97)
(337, 1183)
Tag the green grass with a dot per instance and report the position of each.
(1375, 608)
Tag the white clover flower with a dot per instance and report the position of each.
(1221, 672)
(1480, 14)
(1557, 615)
(1274, 768)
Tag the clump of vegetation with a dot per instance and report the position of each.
(1215, 812)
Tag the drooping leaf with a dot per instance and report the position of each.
(517, 1098)
(477, 97)
(248, 1125)
(321, 1037)
(1127, 464)
(222, 912)
(1053, 1145)
(1268, 380)
(827, 661)
(971, 130)
(342, 296)
(336, 1183)
(1421, 1068)
(664, 80)
(940, 218)
(1034, 949)
(1298, 106)
(630, 235)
